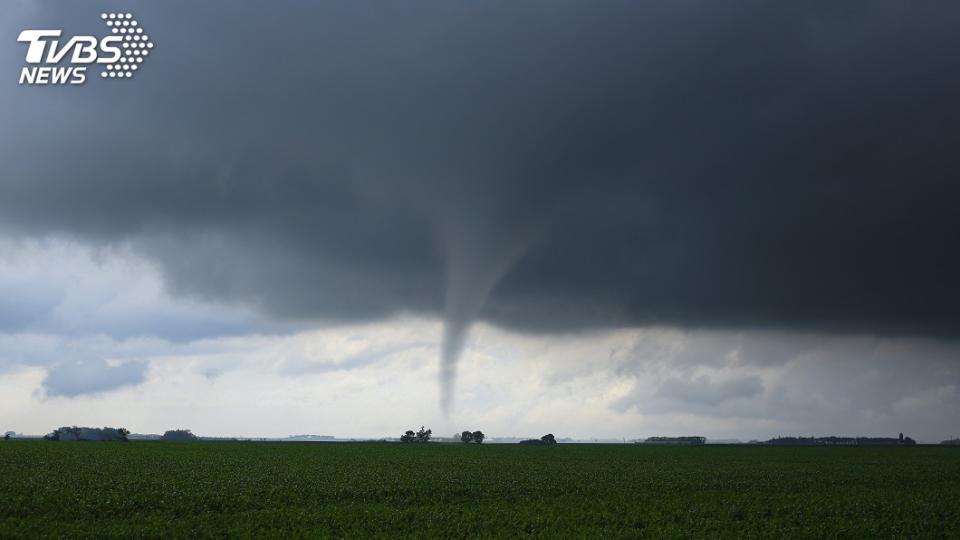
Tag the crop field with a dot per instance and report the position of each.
(217, 489)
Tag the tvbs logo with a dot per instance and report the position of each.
(120, 53)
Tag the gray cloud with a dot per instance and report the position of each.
(62, 289)
(545, 166)
(794, 382)
(73, 377)
(369, 356)
(701, 390)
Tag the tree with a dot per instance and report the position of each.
(421, 436)
(424, 434)
(478, 437)
(178, 435)
(466, 437)
(547, 439)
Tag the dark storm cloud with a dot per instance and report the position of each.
(541, 165)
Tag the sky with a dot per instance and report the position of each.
(597, 219)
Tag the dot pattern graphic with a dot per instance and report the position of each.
(135, 45)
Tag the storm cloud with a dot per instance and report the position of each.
(543, 166)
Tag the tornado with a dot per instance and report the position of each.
(477, 256)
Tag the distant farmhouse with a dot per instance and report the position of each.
(307, 437)
(675, 440)
(842, 441)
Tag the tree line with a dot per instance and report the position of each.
(75, 433)
(423, 435)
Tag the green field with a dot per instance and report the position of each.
(287, 489)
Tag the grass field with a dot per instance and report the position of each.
(287, 489)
